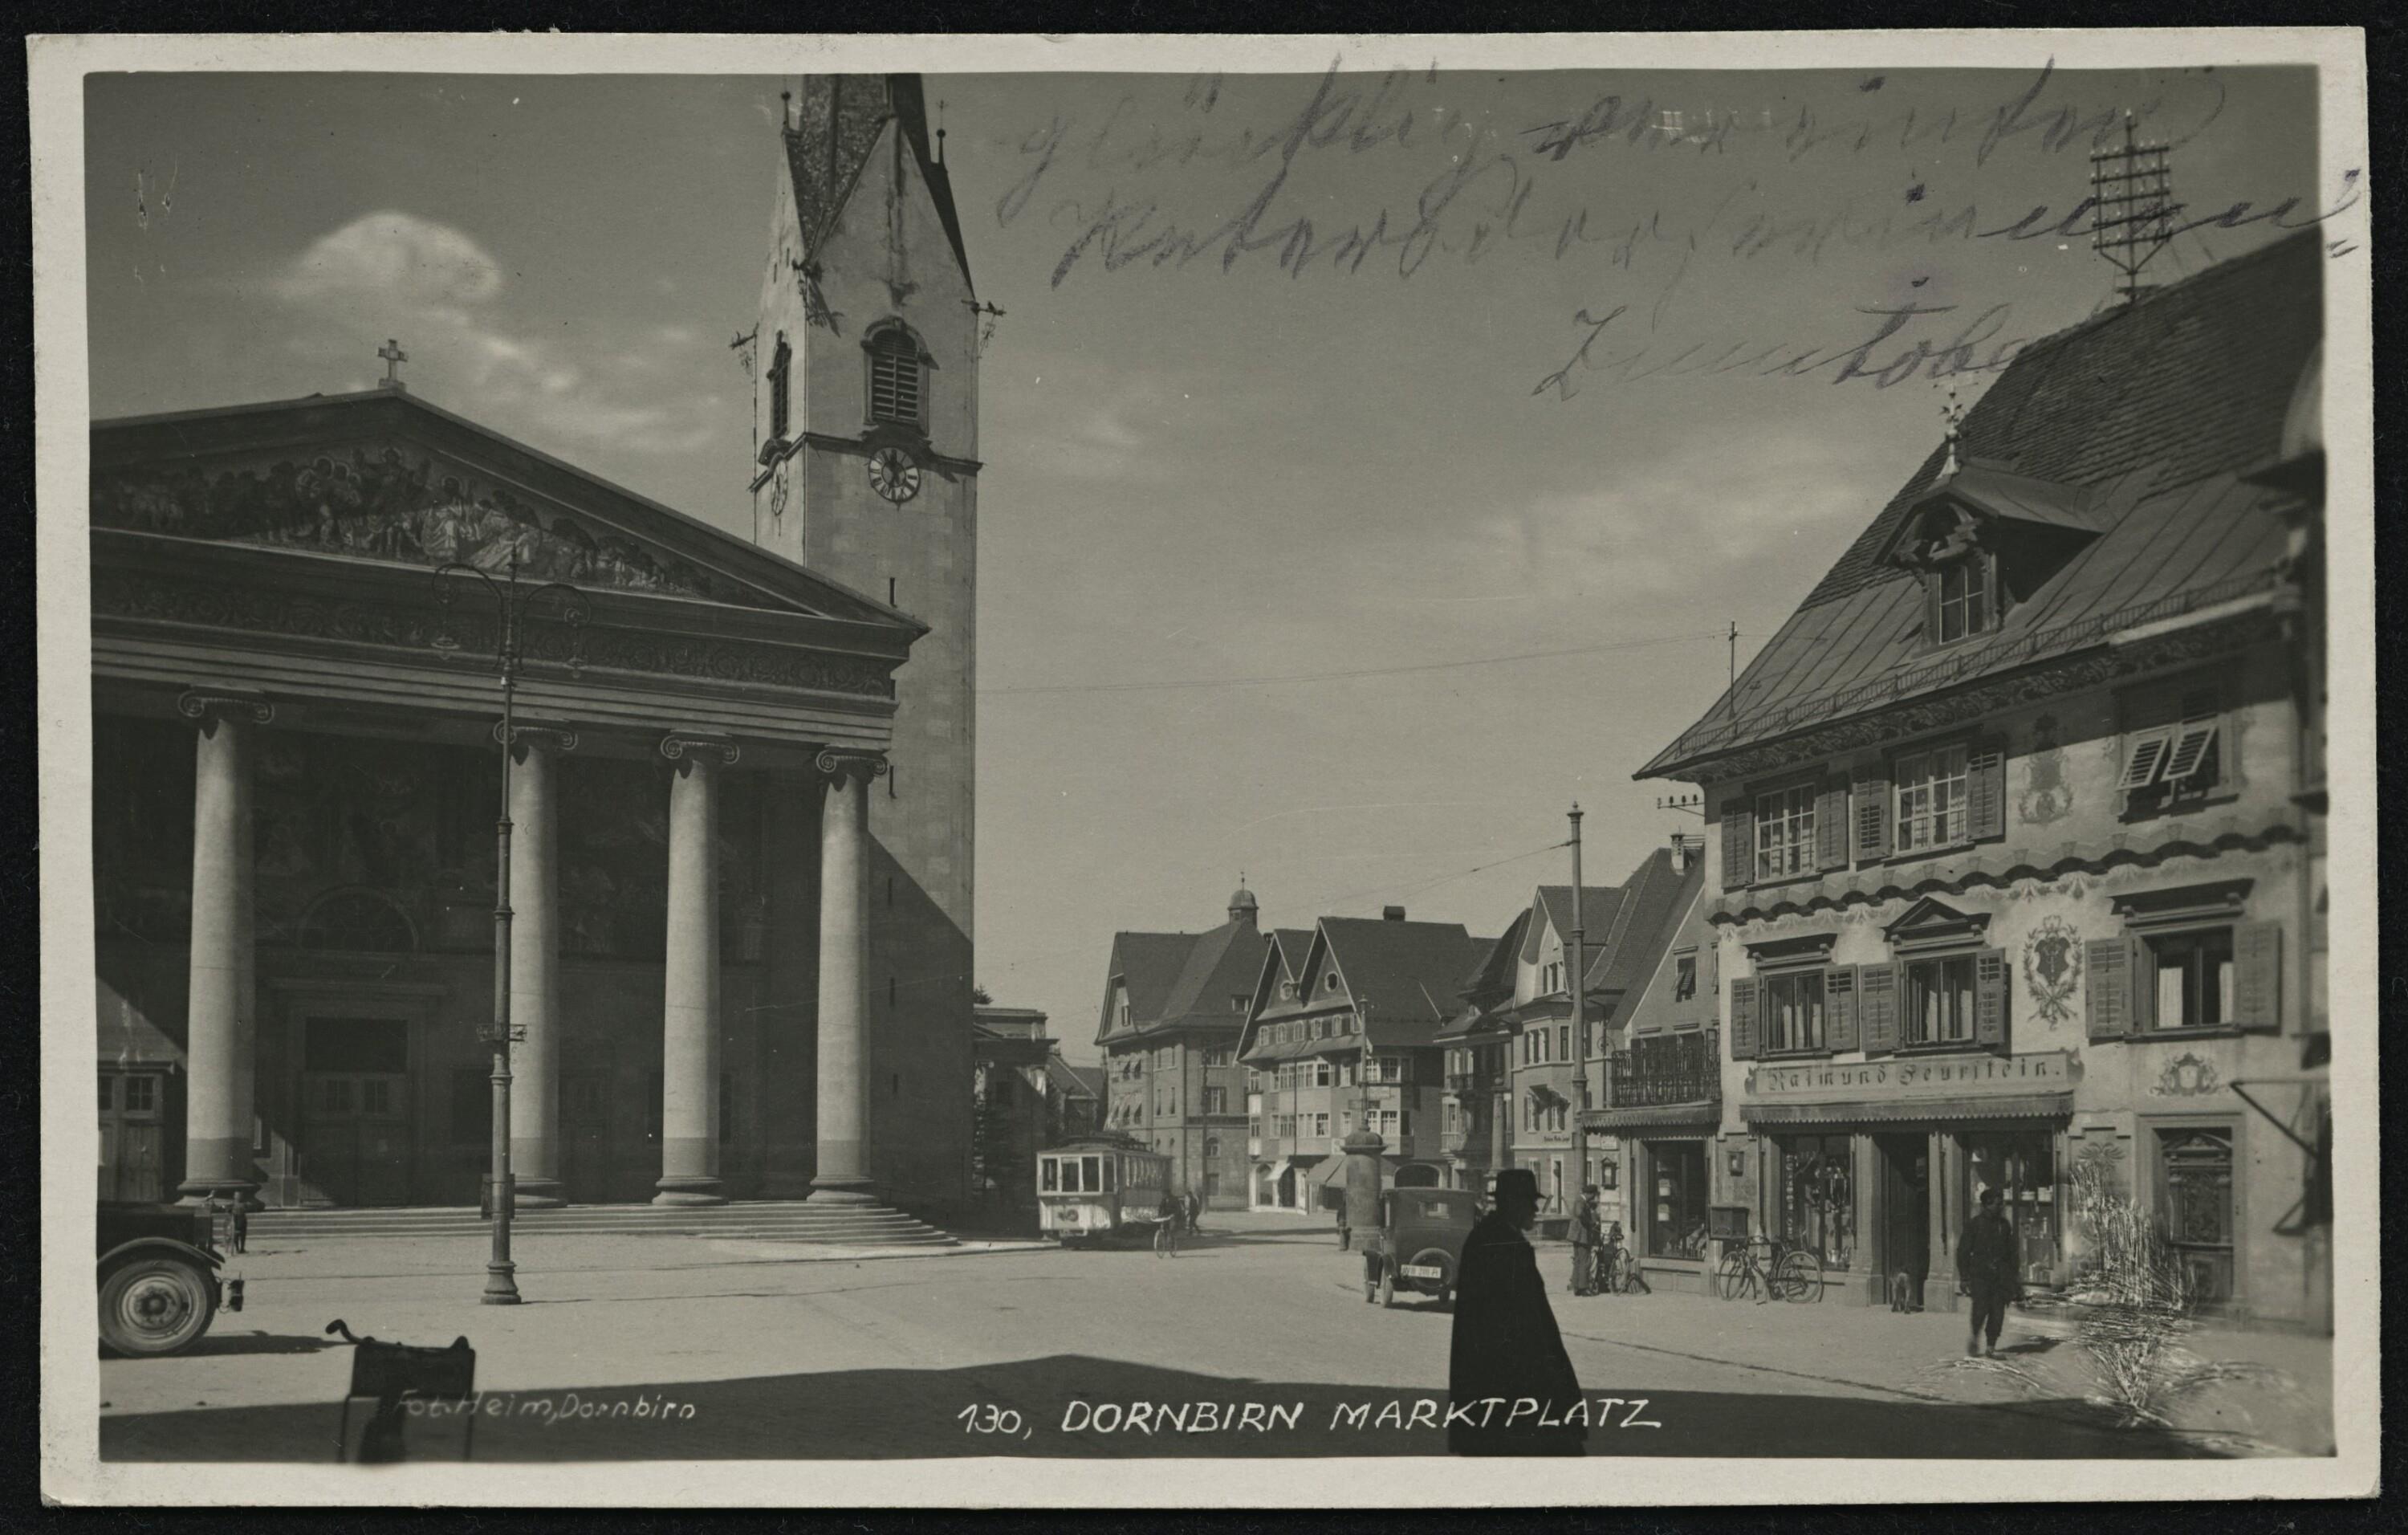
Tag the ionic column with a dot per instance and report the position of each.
(535, 961)
(690, 1007)
(844, 1172)
(221, 1018)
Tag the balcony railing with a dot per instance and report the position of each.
(1676, 1068)
(1473, 1081)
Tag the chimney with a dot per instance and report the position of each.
(1392, 913)
(1679, 854)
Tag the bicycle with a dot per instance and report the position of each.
(1165, 1237)
(1617, 1267)
(1786, 1273)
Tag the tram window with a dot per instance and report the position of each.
(1094, 1176)
(1048, 1174)
(1107, 1175)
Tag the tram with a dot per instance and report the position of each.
(1102, 1186)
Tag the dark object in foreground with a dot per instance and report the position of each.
(1506, 1346)
(389, 1375)
(158, 1277)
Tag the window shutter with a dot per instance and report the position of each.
(2145, 754)
(1831, 824)
(2108, 992)
(1931, 607)
(2258, 974)
(1872, 816)
(1839, 1007)
(1877, 1008)
(1990, 999)
(1985, 788)
(1739, 844)
(1742, 1019)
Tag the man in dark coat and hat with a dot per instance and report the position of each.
(1510, 1384)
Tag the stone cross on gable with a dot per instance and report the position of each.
(393, 357)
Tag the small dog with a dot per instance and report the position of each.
(1903, 1296)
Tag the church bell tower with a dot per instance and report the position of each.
(865, 468)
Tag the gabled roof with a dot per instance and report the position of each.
(2153, 412)
(1177, 980)
(1411, 971)
(1657, 897)
(1074, 1080)
(1596, 914)
(1291, 945)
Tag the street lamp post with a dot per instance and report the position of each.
(511, 603)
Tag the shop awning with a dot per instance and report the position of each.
(2020, 1106)
(1653, 1116)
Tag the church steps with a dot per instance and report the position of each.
(866, 1226)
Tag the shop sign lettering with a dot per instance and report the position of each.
(1944, 1076)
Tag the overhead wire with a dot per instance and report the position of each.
(1361, 671)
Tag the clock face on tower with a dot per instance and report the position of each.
(892, 475)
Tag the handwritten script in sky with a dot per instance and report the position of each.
(1710, 215)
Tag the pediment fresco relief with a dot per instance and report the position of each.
(382, 501)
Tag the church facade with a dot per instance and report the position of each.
(739, 781)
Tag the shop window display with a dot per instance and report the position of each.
(2021, 1166)
(1676, 1225)
(1818, 1197)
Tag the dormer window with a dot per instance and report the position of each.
(1962, 599)
(1982, 538)
(897, 378)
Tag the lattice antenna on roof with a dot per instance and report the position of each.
(2132, 191)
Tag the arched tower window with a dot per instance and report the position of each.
(782, 366)
(898, 376)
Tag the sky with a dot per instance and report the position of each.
(1373, 463)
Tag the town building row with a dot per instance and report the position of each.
(2012, 876)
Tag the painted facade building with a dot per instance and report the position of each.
(1174, 1004)
(2010, 830)
(1348, 1029)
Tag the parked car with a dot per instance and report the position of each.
(158, 1276)
(1419, 1244)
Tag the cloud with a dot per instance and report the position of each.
(395, 258)
(438, 288)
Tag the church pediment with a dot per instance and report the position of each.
(386, 477)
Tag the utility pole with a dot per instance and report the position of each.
(1733, 637)
(1576, 975)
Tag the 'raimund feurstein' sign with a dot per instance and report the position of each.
(1930, 1076)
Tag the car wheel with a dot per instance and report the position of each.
(153, 1305)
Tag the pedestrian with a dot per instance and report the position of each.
(1509, 1380)
(1987, 1271)
(241, 1225)
(1194, 1213)
(1582, 1230)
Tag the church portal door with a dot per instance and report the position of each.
(355, 1139)
(585, 1172)
(133, 1136)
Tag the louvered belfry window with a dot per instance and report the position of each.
(895, 379)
